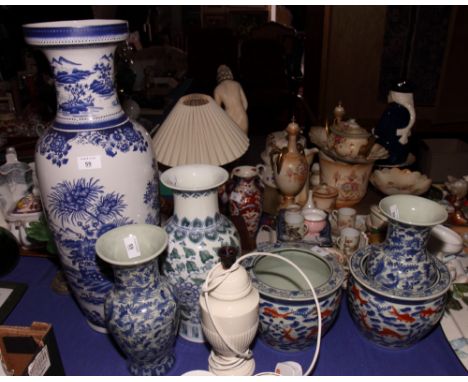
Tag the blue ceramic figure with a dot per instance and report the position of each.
(394, 127)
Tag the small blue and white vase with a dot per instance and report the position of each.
(141, 311)
(95, 167)
(196, 233)
(402, 262)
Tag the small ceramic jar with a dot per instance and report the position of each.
(325, 197)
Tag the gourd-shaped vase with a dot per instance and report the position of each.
(95, 167)
(290, 167)
(402, 262)
(246, 198)
(196, 232)
(141, 312)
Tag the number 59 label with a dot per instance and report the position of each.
(89, 162)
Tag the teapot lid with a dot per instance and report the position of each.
(350, 129)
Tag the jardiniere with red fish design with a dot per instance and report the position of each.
(288, 315)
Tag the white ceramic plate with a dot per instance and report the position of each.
(455, 326)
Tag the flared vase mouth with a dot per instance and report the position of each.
(196, 177)
(132, 244)
(75, 32)
(413, 210)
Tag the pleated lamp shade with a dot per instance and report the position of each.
(197, 130)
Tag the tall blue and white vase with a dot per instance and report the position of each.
(196, 233)
(96, 168)
(141, 311)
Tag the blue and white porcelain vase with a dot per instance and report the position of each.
(96, 168)
(141, 311)
(196, 233)
(402, 262)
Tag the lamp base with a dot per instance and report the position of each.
(230, 366)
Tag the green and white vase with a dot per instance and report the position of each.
(196, 232)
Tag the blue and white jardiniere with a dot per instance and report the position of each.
(402, 262)
(394, 318)
(196, 232)
(96, 168)
(141, 311)
(288, 314)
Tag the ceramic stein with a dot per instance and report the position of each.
(344, 217)
(295, 228)
(349, 240)
(315, 220)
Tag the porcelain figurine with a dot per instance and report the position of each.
(246, 198)
(96, 168)
(141, 311)
(196, 233)
(27, 210)
(394, 128)
(290, 166)
(15, 181)
(230, 95)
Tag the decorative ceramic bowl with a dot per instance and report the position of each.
(288, 315)
(394, 180)
(394, 318)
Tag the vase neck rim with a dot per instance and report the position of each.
(194, 178)
(75, 32)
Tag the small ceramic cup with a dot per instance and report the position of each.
(350, 240)
(294, 226)
(315, 220)
(344, 217)
(377, 218)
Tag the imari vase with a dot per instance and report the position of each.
(246, 198)
(141, 311)
(196, 233)
(96, 168)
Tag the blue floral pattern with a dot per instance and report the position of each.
(89, 213)
(401, 262)
(151, 197)
(55, 145)
(142, 315)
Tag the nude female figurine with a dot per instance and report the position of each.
(230, 96)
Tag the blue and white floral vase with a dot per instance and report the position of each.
(96, 168)
(141, 311)
(402, 262)
(196, 233)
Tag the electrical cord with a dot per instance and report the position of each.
(221, 277)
